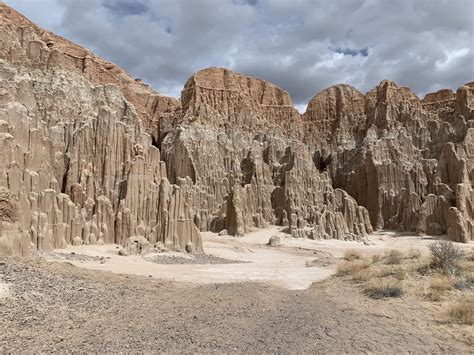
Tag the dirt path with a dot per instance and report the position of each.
(56, 307)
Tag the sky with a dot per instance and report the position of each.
(303, 46)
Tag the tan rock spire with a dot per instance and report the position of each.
(90, 155)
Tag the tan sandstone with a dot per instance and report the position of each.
(89, 155)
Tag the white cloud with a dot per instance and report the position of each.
(303, 46)
(451, 58)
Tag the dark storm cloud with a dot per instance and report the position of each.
(303, 46)
(126, 7)
(353, 52)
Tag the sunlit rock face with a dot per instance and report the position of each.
(408, 161)
(90, 155)
(78, 154)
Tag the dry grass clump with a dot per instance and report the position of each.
(394, 257)
(441, 283)
(462, 312)
(397, 272)
(376, 258)
(445, 257)
(413, 253)
(349, 267)
(466, 265)
(384, 288)
(361, 275)
(464, 283)
(435, 295)
(423, 266)
(461, 285)
(470, 255)
(352, 254)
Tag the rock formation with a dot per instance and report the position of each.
(238, 157)
(408, 161)
(90, 155)
(78, 156)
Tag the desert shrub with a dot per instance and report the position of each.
(445, 256)
(440, 283)
(470, 255)
(361, 275)
(462, 312)
(351, 254)
(398, 272)
(465, 283)
(461, 285)
(435, 295)
(394, 257)
(423, 267)
(413, 253)
(384, 288)
(376, 258)
(347, 267)
(470, 279)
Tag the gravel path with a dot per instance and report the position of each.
(198, 259)
(59, 308)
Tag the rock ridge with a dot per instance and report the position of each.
(78, 152)
(90, 155)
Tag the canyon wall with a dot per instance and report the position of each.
(90, 155)
(79, 162)
(239, 158)
(410, 162)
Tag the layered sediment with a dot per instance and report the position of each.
(90, 155)
(79, 162)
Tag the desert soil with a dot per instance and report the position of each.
(62, 302)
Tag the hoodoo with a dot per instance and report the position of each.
(77, 152)
(90, 155)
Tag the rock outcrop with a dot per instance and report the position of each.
(238, 156)
(90, 155)
(76, 156)
(408, 161)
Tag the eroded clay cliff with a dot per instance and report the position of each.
(408, 161)
(239, 158)
(90, 155)
(78, 160)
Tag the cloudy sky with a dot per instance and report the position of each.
(303, 46)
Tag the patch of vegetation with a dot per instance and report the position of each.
(435, 295)
(352, 254)
(470, 255)
(445, 256)
(383, 288)
(413, 253)
(376, 258)
(462, 312)
(464, 283)
(348, 267)
(394, 257)
(441, 283)
(362, 275)
(397, 272)
(423, 267)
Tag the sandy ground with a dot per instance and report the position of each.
(294, 265)
(4, 290)
(276, 300)
(58, 308)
